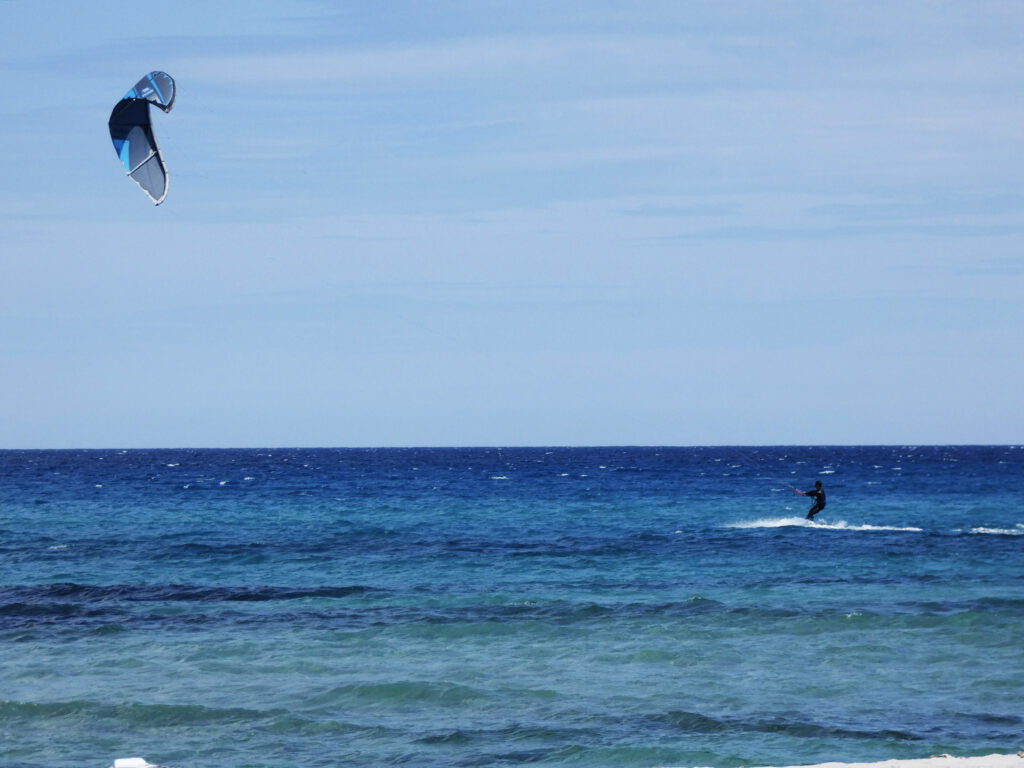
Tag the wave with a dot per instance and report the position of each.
(403, 692)
(1017, 530)
(515, 732)
(450, 623)
(133, 712)
(110, 608)
(146, 593)
(801, 522)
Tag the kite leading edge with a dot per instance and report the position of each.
(132, 133)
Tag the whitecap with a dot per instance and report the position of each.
(1018, 530)
(499, 477)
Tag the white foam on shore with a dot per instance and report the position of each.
(802, 522)
(940, 761)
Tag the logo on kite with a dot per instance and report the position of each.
(132, 133)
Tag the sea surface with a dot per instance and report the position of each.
(598, 607)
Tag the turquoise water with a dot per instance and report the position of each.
(484, 607)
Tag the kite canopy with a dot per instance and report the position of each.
(132, 133)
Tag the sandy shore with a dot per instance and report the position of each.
(939, 761)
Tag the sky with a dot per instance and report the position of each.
(522, 222)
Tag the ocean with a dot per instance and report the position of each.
(598, 607)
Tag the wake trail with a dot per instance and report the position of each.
(800, 522)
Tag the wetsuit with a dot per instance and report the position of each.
(818, 494)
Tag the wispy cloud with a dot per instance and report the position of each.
(399, 64)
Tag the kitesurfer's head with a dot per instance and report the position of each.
(817, 483)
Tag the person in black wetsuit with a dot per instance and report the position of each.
(818, 494)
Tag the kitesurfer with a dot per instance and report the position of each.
(818, 494)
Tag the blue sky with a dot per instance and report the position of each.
(516, 223)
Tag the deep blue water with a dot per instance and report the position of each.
(481, 607)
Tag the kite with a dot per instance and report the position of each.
(132, 133)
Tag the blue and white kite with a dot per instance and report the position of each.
(132, 133)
